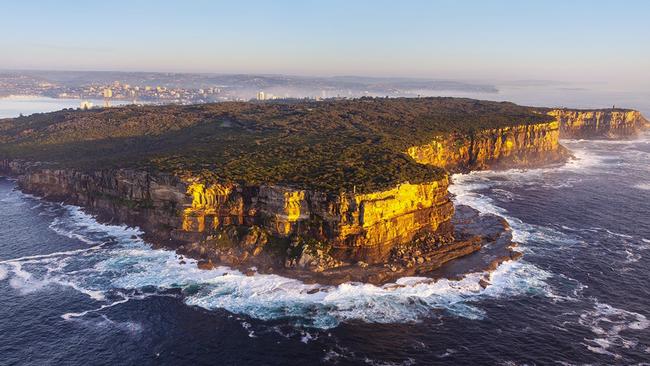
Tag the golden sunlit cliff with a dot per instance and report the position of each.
(516, 146)
(605, 123)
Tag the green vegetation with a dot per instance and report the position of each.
(331, 145)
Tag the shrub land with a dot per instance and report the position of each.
(325, 145)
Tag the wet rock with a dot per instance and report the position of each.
(205, 264)
(484, 283)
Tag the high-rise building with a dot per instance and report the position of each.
(261, 95)
(108, 94)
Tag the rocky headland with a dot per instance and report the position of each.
(230, 206)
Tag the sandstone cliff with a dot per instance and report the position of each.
(508, 147)
(355, 226)
(610, 123)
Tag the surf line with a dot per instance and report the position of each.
(52, 255)
(68, 316)
(125, 298)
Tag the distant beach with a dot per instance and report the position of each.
(15, 105)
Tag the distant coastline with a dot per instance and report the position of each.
(13, 105)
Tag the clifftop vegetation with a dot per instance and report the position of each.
(331, 145)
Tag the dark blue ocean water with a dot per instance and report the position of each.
(76, 292)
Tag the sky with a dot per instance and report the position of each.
(577, 40)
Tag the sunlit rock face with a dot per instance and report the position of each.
(584, 124)
(357, 226)
(518, 146)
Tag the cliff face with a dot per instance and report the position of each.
(125, 196)
(355, 226)
(508, 147)
(584, 124)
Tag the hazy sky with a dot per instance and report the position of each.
(585, 40)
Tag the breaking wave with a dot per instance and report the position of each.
(116, 265)
(609, 326)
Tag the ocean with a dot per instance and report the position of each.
(77, 292)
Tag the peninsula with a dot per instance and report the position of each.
(327, 191)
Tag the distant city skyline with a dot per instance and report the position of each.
(584, 41)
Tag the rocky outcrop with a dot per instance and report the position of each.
(356, 226)
(526, 145)
(604, 123)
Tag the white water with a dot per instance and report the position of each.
(115, 268)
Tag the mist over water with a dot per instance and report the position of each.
(565, 94)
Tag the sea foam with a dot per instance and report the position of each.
(130, 264)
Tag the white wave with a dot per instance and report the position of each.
(448, 352)
(616, 234)
(632, 257)
(68, 316)
(583, 158)
(612, 328)
(247, 326)
(643, 186)
(270, 296)
(465, 190)
(52, 255)
(97, 295)
(3, 273)
(24, 282)
(134, 265)
(307, 337)
(131, 265)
